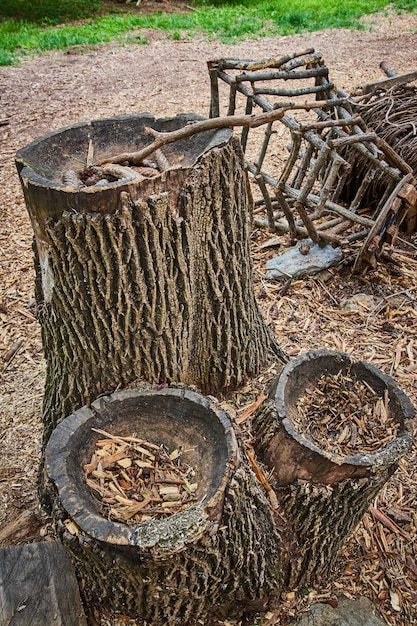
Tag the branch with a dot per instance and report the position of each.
(252, 121)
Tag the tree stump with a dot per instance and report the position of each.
(221, 555)
(323, 495)
(143, 278)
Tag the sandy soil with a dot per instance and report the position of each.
(164, 78)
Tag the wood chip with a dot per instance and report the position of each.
(135, 480)
(344, 415)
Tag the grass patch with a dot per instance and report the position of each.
(229, 21)
(48, 11)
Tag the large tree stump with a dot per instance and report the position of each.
(142, 278)
(323, 495)
(220, 555)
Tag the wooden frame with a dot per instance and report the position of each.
(316, 193)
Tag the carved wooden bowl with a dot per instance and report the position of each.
(295, 456)
(175, 417)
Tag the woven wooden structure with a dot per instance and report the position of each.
(307, 194)
(389, 107)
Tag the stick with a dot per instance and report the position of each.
(268, 204)
(381, 517)
(251, 409)
(253, 121)
(262, 479)
(239, 64)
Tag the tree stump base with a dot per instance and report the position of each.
(220, 554)
(323, 495)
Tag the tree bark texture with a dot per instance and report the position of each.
(321, 519)
(220, 556)
(322, 496)
(154, 284)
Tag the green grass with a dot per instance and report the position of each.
(228, 21)
(48, 11)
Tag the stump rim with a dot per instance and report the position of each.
(150, 536)
(390, 453)
(27, 169)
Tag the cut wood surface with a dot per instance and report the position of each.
(38, 586)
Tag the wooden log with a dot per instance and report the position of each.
(38, 586)
(392, 157)
(282, 225)
(221, 555)
(323, 495)
(294, 93)
(287, 212)
(268, 204)
(238, 64)
(353, 139)
(329, 124)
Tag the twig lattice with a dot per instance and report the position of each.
(307, 194)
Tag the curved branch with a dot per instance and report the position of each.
(252, 121)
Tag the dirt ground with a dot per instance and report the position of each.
(165, 78)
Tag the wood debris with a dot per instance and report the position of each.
(136, 480)
(344, 415)
(99, 176)
(309, 316)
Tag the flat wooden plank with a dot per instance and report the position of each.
(38, 586)
(388, 83)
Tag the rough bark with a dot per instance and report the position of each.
(321, 518)
(150, 280)
(322, 496)
(222, 555)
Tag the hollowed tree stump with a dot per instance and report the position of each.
(220, 555)
(323, 495)
(143, 278)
